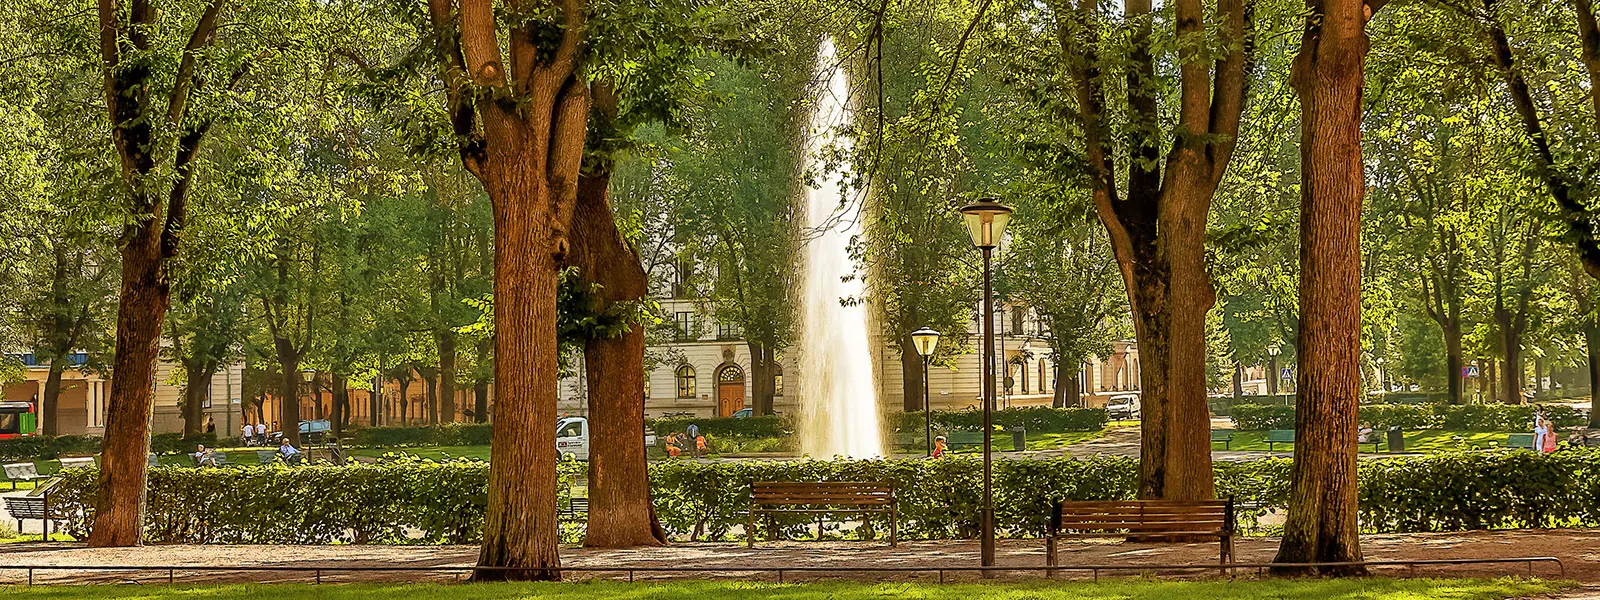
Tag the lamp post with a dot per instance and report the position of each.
(307, 375)
(925, 340)
(1272, 366)
(986, 222)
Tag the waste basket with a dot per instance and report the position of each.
(1396, 440)
(1019, 438)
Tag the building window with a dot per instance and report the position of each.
(777, 380)
(685, 381)
(685, 324)
(1016, 321)
(682, 272)
(729, 331)
(1042, 376)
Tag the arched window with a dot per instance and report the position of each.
(686, 381)
(777, 379)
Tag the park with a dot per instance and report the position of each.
(800, 299)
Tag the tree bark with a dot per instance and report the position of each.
(1238, 380)
(1066, 392)
(1327, 76)
(763, 389)
(621, 514)
(447, 375)
(1591, 342)
(910, 375)
(1272, 375)
(430, 395)
(197, 380)
(341, 404)
(1454, 361)
(50, 402)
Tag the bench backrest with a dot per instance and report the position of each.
(1221, 434)
(21, 471)
(1146, 516)
(25, 507)
(827, 493)
(964, 437)
(266, 457)
(152, 460)
(82, 462)
(1520, 440)
(1280, 435)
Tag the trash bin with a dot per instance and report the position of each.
(1019, 438)
(1396, 440)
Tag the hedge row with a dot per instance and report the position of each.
(447, 434)
(1468, 417)
(1222, 406)
(429, 502)
(1042, 419)
(765, 426)
(42, 447)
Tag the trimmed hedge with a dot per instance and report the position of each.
(1469, 417)
(414, 501)
(1042, 419)
(765, 426)
(40, 447)
(1222, 406)
(447, 434)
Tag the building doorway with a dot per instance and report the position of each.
(730, 390)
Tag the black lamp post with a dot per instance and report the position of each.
(926, 340)
(986, 223)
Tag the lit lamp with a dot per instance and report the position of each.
(1272, 367)
(986, 222)
(926, 340)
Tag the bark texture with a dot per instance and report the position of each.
(1157, 225)
(149, 242)
(1327, 76)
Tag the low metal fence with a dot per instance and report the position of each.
(317, 571)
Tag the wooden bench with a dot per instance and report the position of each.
(1520, 440)
(18, 472)
(1157, 518)
(907, 440)
(1222, 435)
(964, 439)
(82, 462)
(821, 498)
(266, 457)
(35, 505)
(1279, 436)
(577, 509)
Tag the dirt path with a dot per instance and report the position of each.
(1578, 549)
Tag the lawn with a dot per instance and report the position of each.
(1423, 440)
(1128, 589)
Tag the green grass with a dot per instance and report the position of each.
(1426, 440)
(1051, 441)
(1129, 589)
(433, 452)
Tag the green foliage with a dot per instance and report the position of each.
(1036, 419)
(177, 443)
(447, 434)
(766, 426)
(43, 447)
(416, 501)
(1470, 417)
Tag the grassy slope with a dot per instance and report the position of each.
(1133, 589)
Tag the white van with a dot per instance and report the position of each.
(572, 438)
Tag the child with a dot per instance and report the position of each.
(938, 447)
(700, 445)
(672, 445)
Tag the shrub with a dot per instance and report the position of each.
(1469, 417)
(765, 426)
(447, 434)
(414, 501)
(40, 447)
(177, 443)
(1041, 419)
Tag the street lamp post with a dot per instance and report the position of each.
(986, 221)
(925, 340)
(307, 375)
(1272, 365)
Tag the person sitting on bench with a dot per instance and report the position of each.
(289, 454)
(203, 457)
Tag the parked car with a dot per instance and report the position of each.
(1125, 406)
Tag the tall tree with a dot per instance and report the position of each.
(1328, 77)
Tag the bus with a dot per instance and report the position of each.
(18, 419)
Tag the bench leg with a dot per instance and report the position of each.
(750, 529)
(894, 526)
(1050, 555)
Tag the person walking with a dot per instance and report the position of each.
(1540, 429)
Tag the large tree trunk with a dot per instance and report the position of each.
(197, 380)
(430, 395)
(1066, 390)
(1490, 379)
(1238, 380)
(289, 392)
(1454, 361)
(1591, 342)
(141, 308)
(621, 514)
(50, 402)
(1327, 76)
(447, 376)
(341, 404)
(763, 390)
(910, 375)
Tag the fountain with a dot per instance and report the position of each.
(839, 393)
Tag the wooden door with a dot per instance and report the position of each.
(730, 390)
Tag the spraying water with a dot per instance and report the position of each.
(839, 395)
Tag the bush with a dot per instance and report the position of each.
(40, 447)
(765, 426)
(1041, 419)
(177, 443)
(1469, 417)
(447, 434)
(415, 501)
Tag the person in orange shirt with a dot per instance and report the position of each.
(672, 445)
(700, 445)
